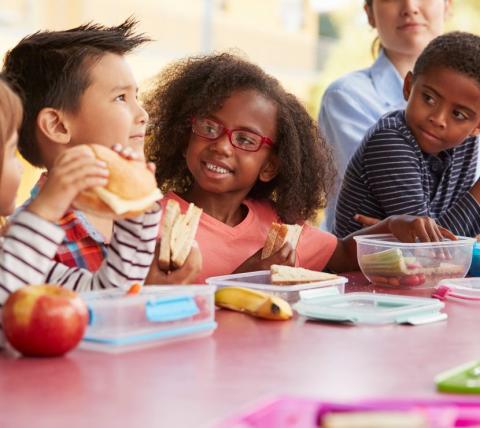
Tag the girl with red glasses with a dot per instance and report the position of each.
(227, 137)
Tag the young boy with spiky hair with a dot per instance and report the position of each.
(78, 88)
(422, 160)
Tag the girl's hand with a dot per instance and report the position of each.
(183, 275)
(74, 171)
(408, 228)
(284, 256)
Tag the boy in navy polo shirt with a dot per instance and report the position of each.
(422, 160)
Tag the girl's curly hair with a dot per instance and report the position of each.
(198, 86)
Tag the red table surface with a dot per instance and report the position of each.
(199, 382)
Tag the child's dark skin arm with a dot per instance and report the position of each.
(284, 256)
(405, 228)
(475, 191)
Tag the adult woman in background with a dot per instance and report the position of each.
(354, 102)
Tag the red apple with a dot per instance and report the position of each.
(44, 320)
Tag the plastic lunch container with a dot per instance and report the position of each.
(385, 261)
(458, 289)
(158, 314)
(260, 280)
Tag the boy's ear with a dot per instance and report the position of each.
(369, 12)
(476, 131)
(51, 123)
(270, 170)
(407, 85)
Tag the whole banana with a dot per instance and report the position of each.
(253, 302)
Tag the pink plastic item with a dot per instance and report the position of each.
(444, 291)
(291, 412)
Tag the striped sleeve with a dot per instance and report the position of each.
(128, 260)
(27, 251)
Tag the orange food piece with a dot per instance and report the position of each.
(134, 289)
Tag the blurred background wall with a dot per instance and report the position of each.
(304, 43)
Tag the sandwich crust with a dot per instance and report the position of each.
(178, 234)
(288, 275)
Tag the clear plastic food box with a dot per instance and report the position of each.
(387, 262)
(260, 280)
(158, 314)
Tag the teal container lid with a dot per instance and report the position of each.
(372, 308)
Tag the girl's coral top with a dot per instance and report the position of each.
(224, 248)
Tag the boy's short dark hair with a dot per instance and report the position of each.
(50, 69)
(457, 51)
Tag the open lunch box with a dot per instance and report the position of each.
(387, 262)
(157, 315)
(260, 280)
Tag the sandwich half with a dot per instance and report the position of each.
(278, 234)
(178, 234)
(287, 275)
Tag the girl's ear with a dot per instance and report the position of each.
(371, 19)
(407, 85)
(52, 125)
(270, 170)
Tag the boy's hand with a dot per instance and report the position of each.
(183, 275)
(408, 228)
(365, 220)
(284, 256)
(74, 171)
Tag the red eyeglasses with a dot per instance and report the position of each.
(239, 138)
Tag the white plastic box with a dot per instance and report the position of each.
(158, 314)
(260, 280)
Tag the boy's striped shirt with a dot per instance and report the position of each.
(30, 243)
(389, 174)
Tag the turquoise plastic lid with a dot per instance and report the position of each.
(372, 308)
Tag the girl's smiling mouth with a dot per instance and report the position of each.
(217, 169)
